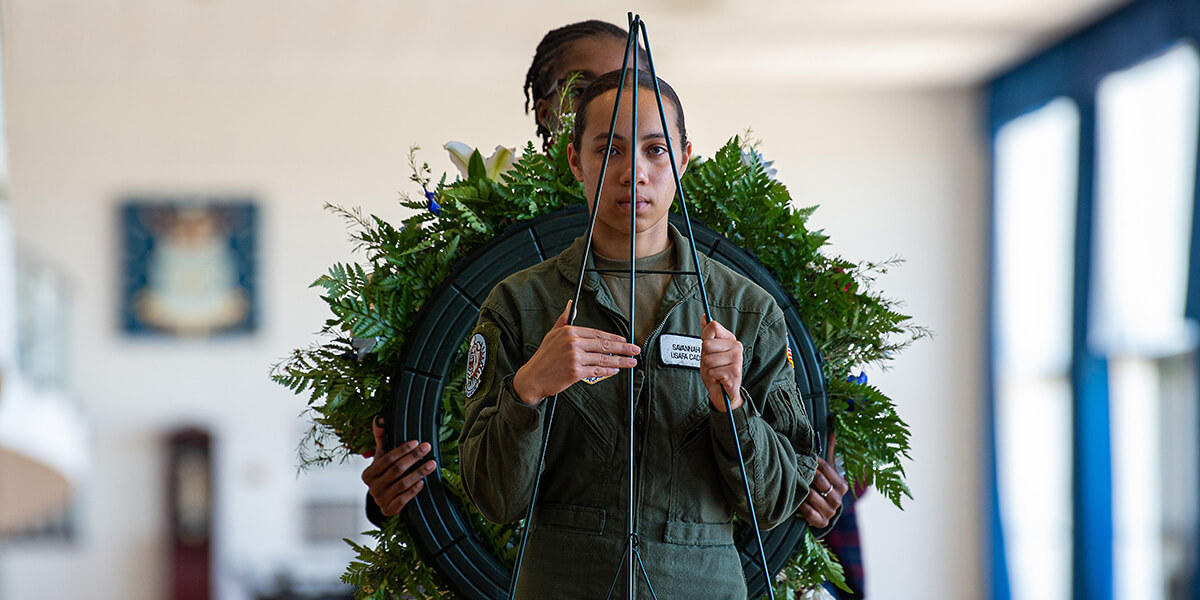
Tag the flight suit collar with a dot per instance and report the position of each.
(681, 287)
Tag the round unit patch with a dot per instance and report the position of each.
(476, 360)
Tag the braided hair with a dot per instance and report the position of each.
(545, 59)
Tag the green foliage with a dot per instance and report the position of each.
(385, 572)
(811, 567)
(871, 438)
(851, 324)
(373, 303)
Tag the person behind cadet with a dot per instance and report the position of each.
(687, 475)
(582, 51)
(843, 540)
(571, 55)
(585, 50)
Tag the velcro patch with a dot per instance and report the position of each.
(679, 350)
(595, 380)
(481, 361)
(477, 355)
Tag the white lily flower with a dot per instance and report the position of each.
(501, 160)
(460, 155)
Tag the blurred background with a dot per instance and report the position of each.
(1033, 162)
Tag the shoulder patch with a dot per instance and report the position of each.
(482, 354)
(477, 358)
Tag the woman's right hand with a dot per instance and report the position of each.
(388, 477)
(569, 354)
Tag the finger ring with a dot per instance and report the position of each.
(825, 494)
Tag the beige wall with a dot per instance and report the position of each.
(896, 172)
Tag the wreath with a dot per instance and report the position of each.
(348, 373)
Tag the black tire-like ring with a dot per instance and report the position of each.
(444, 537)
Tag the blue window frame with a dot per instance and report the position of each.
(1073, 71)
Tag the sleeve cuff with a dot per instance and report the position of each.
(515, 412)
(719, 422)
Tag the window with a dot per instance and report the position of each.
(1134, 401)
(1146, 152)
(1036, 170)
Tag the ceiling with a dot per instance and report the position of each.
(875, 43)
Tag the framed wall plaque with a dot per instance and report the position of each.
(188, 266)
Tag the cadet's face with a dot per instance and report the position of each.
(654, 178)
(589, 57)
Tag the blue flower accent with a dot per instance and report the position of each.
(433, 206)
(860, 379)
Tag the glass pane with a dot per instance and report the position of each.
(1033, 427)
(1146, 136)
(1146, 153)
(1154, 443)
(1180, 441)
(1137, 489)
(1036, 172)
(1037, 165)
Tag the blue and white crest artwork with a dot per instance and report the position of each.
(188, 266)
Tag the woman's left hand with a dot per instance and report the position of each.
(824, 493)
(721, 365)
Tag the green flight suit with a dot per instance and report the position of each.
(687, 482)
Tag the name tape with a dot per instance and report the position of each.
(679, 350)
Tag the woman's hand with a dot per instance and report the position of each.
(825, 493)
(569, 354)
(721, 365)
(388, 477)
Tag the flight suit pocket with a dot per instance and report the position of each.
(698, 534)
(588, 520)
(696, 497)
(580, 463)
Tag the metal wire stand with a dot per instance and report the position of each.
(631, 559)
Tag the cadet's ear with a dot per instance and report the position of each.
(573, 161)
(685, 157)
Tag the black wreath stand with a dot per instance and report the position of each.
(631, 558)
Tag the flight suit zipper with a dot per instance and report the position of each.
(640, 421)
(643, 407)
